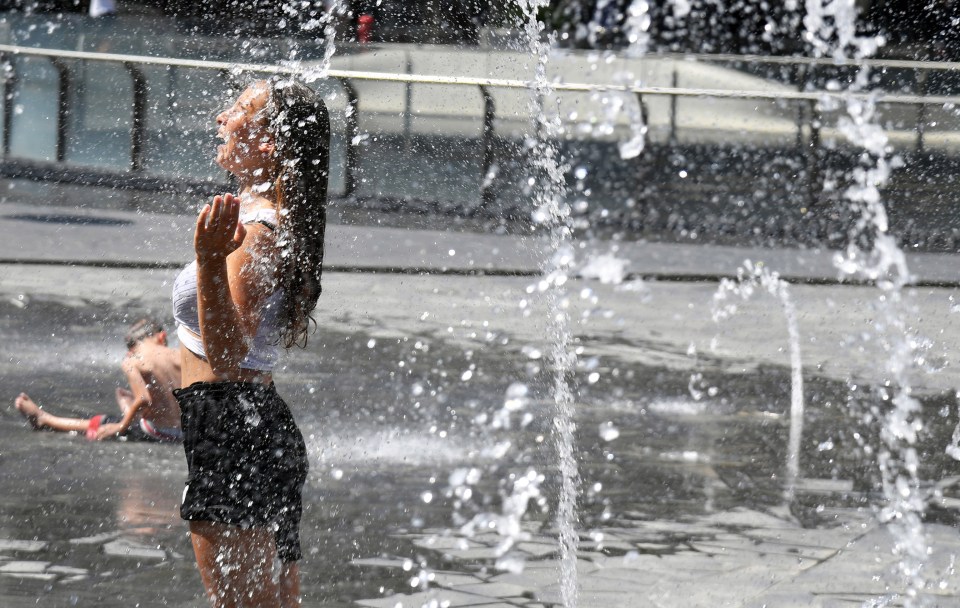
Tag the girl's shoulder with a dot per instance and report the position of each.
(264, 216)
(259, 244)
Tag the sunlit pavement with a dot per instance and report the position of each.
(737, 557)
(684, 508)
(91, 231)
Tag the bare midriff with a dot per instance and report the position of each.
(197, 369)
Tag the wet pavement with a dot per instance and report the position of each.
(682, 428)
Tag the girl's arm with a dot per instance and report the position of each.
(230, 294)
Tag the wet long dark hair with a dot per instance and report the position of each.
(297, 120)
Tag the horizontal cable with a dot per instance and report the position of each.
(788, 95)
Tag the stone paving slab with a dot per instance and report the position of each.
(764, 549)
(128, 548)
(67, 570)
(539, 550)
(426, 598)
(379, 562)
(36, 576)
(801, 537)
(823, 486)
(496, 589)
(455, 579)
(24, 567)
(747, 518)
(96, 539)
(607, 544)
(26, 546)
(774, 563)
(449, 543)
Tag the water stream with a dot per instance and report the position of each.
(750, 276)
(551, 212)
(872, 253)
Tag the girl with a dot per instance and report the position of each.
(253, 285)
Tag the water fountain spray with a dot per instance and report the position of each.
(750, 277)
(830, 28)
(554, 215)
(327, 20)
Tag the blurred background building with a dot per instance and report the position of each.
(916, 30)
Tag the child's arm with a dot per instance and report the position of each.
(141, 397)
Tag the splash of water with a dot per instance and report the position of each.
(330, 36)
(751, 276)
(680, 8)
(517, 491)
(616, 103)
(637, 27)
(328, 21)
(523, 489)
(634, 146)
(953, 448)
(830, 28)
(554, 215)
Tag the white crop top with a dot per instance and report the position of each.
(264, 351)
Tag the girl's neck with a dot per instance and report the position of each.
(251, 199)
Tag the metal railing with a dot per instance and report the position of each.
(134, 65)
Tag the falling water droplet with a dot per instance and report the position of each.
(608, 432)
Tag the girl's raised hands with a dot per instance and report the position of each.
(219, 231)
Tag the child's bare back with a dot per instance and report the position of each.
(148, 409)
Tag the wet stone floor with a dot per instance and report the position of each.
(414, 432)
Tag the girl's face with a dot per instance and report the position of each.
(246, 145)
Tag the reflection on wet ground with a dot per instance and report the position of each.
(672, 466)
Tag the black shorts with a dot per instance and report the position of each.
(246, 460)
